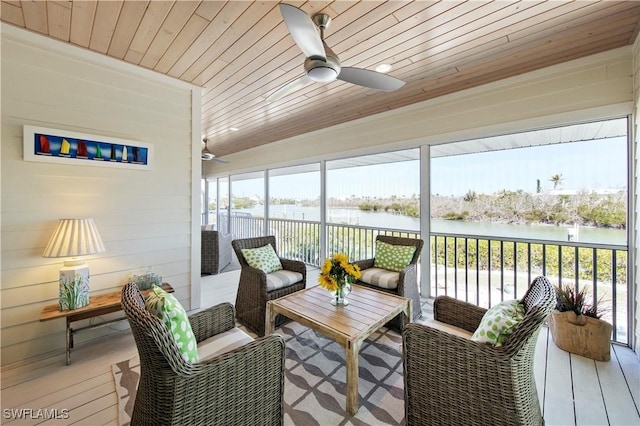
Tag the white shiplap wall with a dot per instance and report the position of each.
(146, 218)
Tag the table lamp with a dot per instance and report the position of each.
(72, 238)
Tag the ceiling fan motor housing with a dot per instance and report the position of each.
(319, 70)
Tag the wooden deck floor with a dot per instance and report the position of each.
(573, 390)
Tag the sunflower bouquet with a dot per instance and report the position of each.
(337, 272)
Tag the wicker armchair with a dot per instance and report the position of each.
(451, 380)
(215, 251)
(252, 297)
(241, 387)
(408, 279)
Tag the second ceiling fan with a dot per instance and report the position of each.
(322, 65)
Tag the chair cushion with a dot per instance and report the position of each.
(499, 322)
(380, 277)
(222, 343)
(282, 278)
(167, 308)
(392, 257)
(263, 258)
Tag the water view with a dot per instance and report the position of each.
(397, 221)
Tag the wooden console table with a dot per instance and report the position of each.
(101, 304)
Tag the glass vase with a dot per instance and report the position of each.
(340, 295)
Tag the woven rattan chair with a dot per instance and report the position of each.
(215, 251)
(408, 278)
(252, 297)
(242, 387)
(451, 380)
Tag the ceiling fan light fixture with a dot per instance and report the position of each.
(322, 74)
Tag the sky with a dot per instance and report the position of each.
(583, 165)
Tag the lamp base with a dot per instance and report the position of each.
(74, 286)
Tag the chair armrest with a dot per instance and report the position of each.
(214, 320)
(365, 263)
(294, 265)
(430, 345)
(457, 313)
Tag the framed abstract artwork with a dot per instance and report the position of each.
(61, 146)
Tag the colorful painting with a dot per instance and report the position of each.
(51, 145)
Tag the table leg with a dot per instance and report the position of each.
(270, 320)
(352, 351)
(69, 341)
(408, 312)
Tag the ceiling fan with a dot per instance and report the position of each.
(208, 155)
(322, 65)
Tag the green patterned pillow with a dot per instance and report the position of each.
(392, 257)
(499, 322)
(263, 258)
(167, 308)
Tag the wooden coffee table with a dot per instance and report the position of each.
(349, 325)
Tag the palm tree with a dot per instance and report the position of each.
(556, 179)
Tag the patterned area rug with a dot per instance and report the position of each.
(315, 377)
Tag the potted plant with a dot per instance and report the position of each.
(576, 326)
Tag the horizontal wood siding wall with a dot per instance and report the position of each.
(144, 217)
(573, 91)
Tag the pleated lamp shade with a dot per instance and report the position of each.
(72, 238)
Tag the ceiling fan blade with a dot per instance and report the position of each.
(289, 87)
(369, 78)
(303, 31)
(207, 155)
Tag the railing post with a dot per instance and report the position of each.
(425, 220)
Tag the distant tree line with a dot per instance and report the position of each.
(584, 208)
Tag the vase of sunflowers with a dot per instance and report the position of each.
(337, 275)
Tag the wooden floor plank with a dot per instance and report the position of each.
(589, 405)
(628, 361)
(621, 408)
(558, 398)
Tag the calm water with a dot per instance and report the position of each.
(396, 221)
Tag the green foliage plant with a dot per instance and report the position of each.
(569, 298)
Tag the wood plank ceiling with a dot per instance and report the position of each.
(240, 52)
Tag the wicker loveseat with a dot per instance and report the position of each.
(452, 380)
(254, 287)
(242, 386)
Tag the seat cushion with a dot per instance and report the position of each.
(263, 258)
(222, 343)
(393, 257)
(167, 308)
(282, 278)
(447, 328)
(380, 278)
(499, 322)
